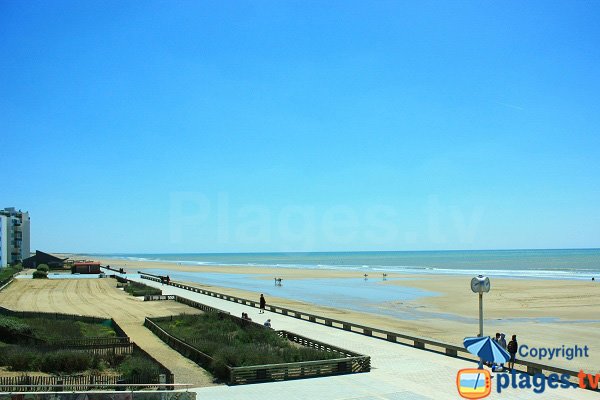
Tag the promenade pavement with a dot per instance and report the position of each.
(398, 371)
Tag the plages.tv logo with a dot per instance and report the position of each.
(474, 383)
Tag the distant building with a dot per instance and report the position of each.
(87, 267)
(14, 236)
(40, 257)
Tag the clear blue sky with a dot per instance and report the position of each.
(195, 126)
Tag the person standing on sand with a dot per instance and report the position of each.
(502, 343)
(513, 347)
(263, 304)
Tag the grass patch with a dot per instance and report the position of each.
(8, 272)
(139, 289)
(14, 329)
(236, 345)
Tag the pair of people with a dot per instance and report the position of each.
(512, 347)
(246, 317)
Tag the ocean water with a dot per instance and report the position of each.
(550, 264)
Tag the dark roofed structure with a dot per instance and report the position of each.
(43, 258)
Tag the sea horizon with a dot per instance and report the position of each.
(539, 263)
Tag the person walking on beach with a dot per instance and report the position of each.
(513, 347)
(263, 304)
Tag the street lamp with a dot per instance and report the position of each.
(480, 284)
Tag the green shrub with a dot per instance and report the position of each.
(12, 329)
(43, 268)
(139, 369)
(20, 359)
(139, 289)
(65, 361)
(40, 275)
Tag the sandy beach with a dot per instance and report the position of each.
(542, 313)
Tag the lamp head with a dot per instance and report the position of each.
(480, 284)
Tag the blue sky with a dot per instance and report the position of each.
(280, 126)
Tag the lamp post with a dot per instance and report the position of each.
(480, 284)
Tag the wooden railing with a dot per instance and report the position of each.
(299, 370)
(315, 344)
(151, 277)
(199, 306)
(432, 345)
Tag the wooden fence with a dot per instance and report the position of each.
(436, 346)
(89, 342)
(348, 362)
(49, 315)
(183, 300)
(28, 383)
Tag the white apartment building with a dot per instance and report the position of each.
(14, 236)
